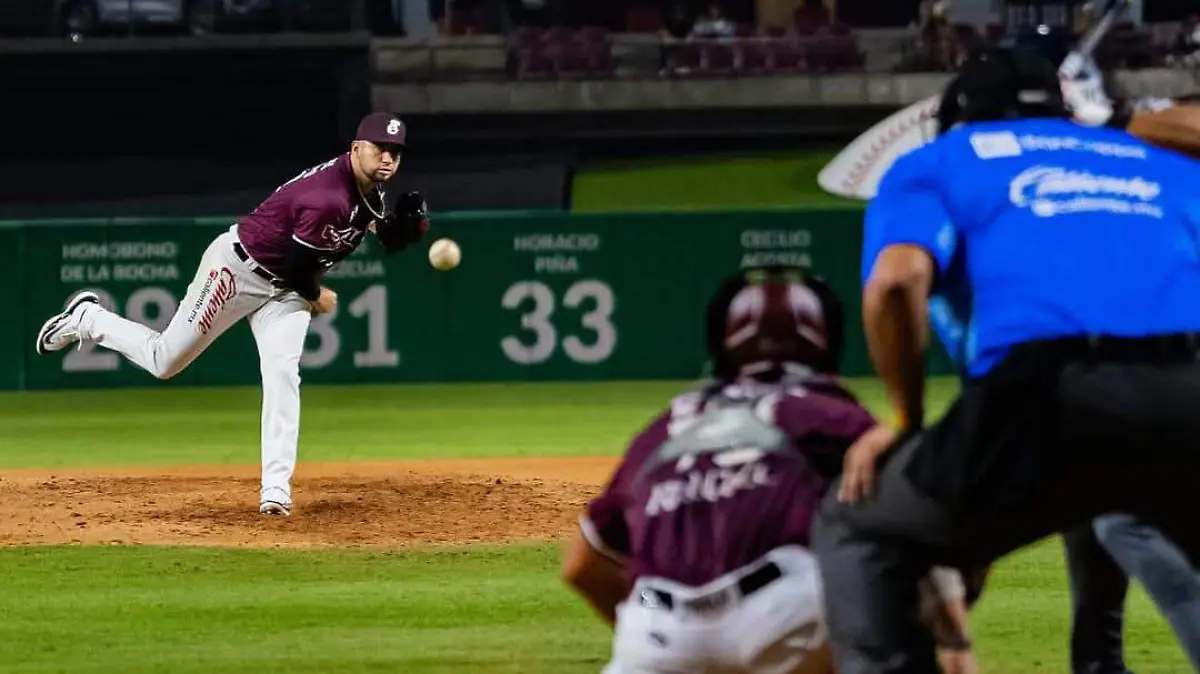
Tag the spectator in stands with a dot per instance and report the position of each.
(1185, 51)
(712, 23)
(811, 15)
(412, 18)
(677, 26)
(936, 41)
(778, 15)
(1187, 41)
(1084, 19)
(497, 16)
(679, 20)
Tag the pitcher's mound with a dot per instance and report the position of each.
(343, 505)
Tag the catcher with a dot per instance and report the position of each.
(697, 550)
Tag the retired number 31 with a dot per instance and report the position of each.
(322, 348)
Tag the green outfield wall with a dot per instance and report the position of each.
(538, 296)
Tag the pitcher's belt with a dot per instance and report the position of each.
(254, 266)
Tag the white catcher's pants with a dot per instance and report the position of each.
(224, 291)
(780, 629)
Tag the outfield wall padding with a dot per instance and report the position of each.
(538, 296)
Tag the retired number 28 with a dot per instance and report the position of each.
(321, 351)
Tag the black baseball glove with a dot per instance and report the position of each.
(405, 225)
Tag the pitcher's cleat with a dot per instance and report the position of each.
(62, 330)
(273, 508)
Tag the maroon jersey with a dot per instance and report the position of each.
(321, 209)
(724, 477)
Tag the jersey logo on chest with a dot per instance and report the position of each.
(342, 237)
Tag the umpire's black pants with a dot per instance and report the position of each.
(1098, 589)
(1057, 434)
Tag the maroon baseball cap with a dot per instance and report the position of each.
(382, 128)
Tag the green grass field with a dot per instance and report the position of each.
(473, 609)
(757, 180)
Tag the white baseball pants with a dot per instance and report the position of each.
(779, 629)
(225, 290)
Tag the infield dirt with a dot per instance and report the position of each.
(345, 505)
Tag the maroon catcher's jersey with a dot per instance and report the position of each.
(723, 477)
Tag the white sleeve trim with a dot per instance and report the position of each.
(592, 536)
(309, 245)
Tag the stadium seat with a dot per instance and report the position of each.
(593, 34)
(717, 56)
(805, 29)
(807, 21)
(565, 51)
(533, 63)
(527, 54)
(682, 58)
(787, 55)
(467, 21)
(754, 53)
(821, 54)
(526, 36)
(558, 35)
(643, 20)
(828, 52)
(849, 56)
(596, 46)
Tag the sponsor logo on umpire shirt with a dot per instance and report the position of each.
(1049, 191)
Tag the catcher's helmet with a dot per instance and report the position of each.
(764, 318)
(1003, 81)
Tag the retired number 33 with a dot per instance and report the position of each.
(597, 320)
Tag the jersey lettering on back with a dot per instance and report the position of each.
(717, 456)
(721, 479)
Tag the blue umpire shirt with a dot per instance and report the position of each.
(1044, 228)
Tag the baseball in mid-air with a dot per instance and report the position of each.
(444, 254)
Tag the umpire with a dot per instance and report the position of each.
(1078, 249)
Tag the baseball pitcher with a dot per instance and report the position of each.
(696, 551)
(268, 268)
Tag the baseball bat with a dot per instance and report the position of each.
(1073, 64)
(1112, 12)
